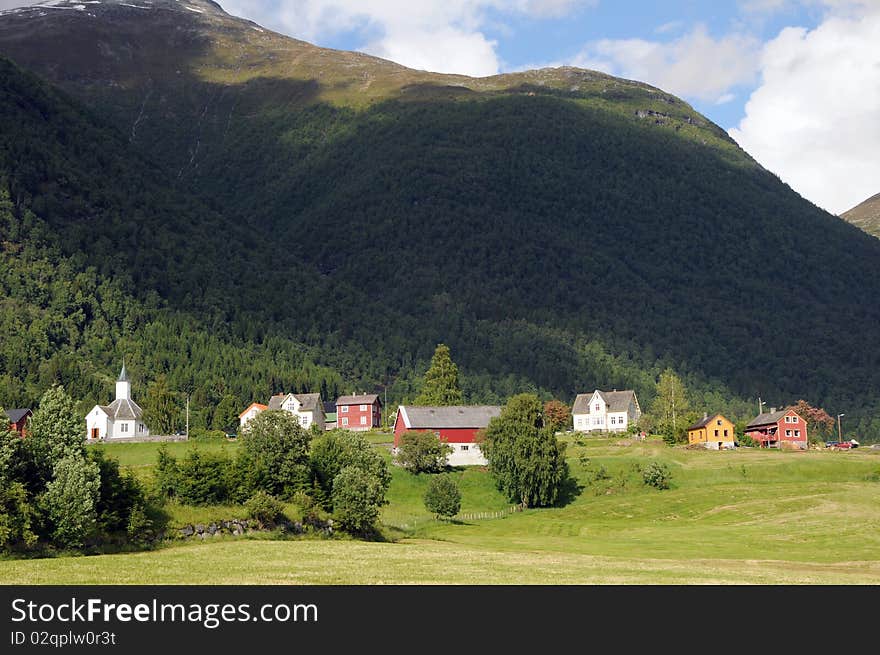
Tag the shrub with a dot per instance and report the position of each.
(357, 496)
(443, 497)
(202, 479)
(264, 508)
(166, 473)
(332, 452)
(201, 434)
(422, 452)
(70, 500)
(274, 455)
(657, 475)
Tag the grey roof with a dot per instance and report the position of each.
(123, 374)
(307, 401)
(615, 401)
(15, 415)
(456, 416)
(358, 399)
(767, 418)
(122, 409)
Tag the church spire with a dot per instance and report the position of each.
(123, 374)
(123, 386)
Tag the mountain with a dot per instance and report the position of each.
(865, 215)
(560, 229)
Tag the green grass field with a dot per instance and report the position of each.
(734, 517)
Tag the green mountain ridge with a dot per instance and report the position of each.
(561, 230)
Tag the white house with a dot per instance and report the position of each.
(305, 406)
(250, 413)
(605, 411)
(119, 419)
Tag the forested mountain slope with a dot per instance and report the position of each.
(560, 229)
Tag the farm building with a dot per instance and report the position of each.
(605, 411)
(714, 432)
(778, 429)
(456, 425)
(360, 412)
(18, 420)
(120, 419)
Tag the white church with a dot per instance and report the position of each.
(121, 418)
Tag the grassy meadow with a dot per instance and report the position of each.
(748, 516)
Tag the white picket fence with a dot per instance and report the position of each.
(419, 522)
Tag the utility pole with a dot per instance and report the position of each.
(839, 435)
(187, 416)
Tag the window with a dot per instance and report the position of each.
(465, 447)
(797, 433)
(613, 420)
(598, 406)
(725, 433)
(344, 420)
(344, 409)
(363, 420)
(123, 427)
(304, 420)
(363, 408)
(716, 433)
(718, 422)
(788, 433)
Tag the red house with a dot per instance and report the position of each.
(778, 429)
(360, 412)
(456, 425)
(18, 420)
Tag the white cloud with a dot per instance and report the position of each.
(695, 65)
(813, 119)
(438, 35)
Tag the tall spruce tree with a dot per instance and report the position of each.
(441, 380)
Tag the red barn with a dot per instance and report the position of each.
(456, 425)
(359, 412)
(777, 429)
(18, 420)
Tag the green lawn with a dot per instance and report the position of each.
(749, 516)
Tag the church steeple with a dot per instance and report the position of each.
(123, 386)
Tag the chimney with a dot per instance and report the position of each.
(705, 415)
(772, 409)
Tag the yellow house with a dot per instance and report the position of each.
(714, 432)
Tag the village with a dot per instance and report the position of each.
(597, 413)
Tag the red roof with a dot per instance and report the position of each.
(262, 408)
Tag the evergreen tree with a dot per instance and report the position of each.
(441, 385)
(161, 408)
(70, 500)
(226, 414)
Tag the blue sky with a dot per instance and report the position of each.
(795, 82)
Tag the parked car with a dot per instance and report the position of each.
(831, 444)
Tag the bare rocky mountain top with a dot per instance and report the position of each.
(866, 215)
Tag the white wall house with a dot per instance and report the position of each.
(120, 419)
(250, 413)
(307, 407)
(605, 411)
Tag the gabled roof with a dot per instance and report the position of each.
(359, 399)
(456, 416)
(15, 415)
(262, 408)
(308, 402)
(767, 418)
(615, 401)
(123, 409)
(704, 422)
